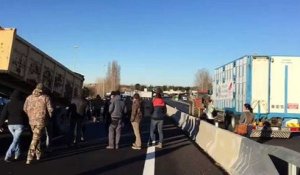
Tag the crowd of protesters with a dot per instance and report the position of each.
(115, 112)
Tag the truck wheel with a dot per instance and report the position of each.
(232, 122)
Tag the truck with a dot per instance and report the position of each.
(23, 65)
(269, 84)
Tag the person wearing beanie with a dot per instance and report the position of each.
(37, 106)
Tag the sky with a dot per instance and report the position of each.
(155, 42)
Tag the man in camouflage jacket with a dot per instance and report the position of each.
(36, 107)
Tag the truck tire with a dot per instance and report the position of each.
(233, 122)
(230, 122)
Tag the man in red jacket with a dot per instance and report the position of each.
(159, 111)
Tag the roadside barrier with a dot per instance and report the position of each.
(185, 121)
(183, 117)
(290, 156)
(236, 154)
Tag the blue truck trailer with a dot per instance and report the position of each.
(269, 83)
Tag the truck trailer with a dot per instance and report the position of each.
(269, 83)
(22, 66)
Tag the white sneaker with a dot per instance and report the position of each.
(136, 147)
(109, 147)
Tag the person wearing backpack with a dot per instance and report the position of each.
(117, 109)
(136, 117)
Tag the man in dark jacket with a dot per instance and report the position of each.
(13, 112)
(117, 109)
(159, 111)
(97, 104)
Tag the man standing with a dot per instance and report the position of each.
(136, 117)
(79, 107)
(97, 106)
(117, 109)
(158, 110)
(36, 107)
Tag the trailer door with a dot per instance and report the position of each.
(260, 84)
(284, 94)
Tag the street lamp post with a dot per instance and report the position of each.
(75, 55)
(103, 81)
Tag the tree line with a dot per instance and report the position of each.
(203, 82)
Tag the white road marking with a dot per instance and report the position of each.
(149, 167)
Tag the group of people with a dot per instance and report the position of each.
(118, 108)
(37, 110)
(246, 118)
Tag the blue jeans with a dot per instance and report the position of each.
(14, 148)
(159, 124)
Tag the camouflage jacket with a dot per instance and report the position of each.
(36, 107)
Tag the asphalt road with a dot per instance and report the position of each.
(180, 105)
(179, 155)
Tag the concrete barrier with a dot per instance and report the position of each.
(236, 154)
(182, 120)
(252, 160)
(206, 137)
(171, 111)
(290, 156)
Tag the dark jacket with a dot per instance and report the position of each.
(159, 109)
(72, 112)
(117, 108)
(13, 110)
(97, 103)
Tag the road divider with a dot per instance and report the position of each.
(235, 153)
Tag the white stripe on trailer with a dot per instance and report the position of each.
(149, 167)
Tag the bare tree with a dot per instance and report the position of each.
(112, 80)
(113, 76)
(101, 86)
(203, 80)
